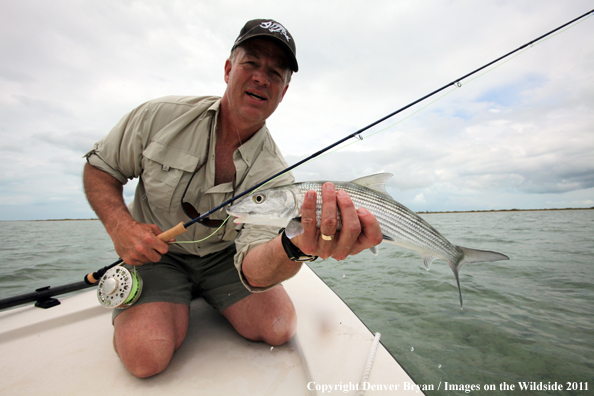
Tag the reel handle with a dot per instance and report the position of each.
(165, 236)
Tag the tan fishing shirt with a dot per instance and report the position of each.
(163, 142)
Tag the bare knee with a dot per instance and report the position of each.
(144, 359)
(274, 328)
(269, 316)
(147, 336)
(281, 330)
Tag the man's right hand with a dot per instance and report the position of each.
(137, 243)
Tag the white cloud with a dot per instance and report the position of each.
(420, 198)
(518, 136)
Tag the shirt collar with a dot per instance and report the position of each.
(248, 150)
(215, 106)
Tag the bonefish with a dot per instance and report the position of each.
(281, 206)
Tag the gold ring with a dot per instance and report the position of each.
(327, 237)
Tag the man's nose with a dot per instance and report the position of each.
(261, 77)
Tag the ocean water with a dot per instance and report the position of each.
(35, 254)
(527, 320)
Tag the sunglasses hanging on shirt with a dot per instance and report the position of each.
(191, 211)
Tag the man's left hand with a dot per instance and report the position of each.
(360, 229)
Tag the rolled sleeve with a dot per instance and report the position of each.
(120, 152)
(94, 158)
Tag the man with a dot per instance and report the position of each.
(202, 151)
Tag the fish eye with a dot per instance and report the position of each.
(259, 198)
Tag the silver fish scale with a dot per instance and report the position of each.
(397, 222)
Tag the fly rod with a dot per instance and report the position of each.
(43, 296)
(182, 227)
(93, 278)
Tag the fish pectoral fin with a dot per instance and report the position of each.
(374, 250)
(294, 228)
(427, 260)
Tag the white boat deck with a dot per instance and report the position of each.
(67, 350)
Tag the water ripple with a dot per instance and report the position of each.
(527, 319)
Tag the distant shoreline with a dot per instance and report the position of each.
(422, 212)
(62, 220)
(504, 210)
(6, 221)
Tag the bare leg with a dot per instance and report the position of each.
(269, 316)
(147, 335)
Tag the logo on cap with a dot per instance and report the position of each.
(275, 27)
(272, 29)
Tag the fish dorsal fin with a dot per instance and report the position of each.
(375, 182)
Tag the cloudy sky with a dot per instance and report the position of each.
(519, 136)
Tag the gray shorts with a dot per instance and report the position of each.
(179, 278)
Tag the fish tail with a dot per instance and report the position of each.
(473, 256)
(455, 269)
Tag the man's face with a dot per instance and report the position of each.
(256, 81)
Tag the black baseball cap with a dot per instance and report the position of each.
(272, 29)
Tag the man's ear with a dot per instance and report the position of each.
(284, 92)
(228, 67)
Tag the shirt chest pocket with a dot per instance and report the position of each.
(163, 168)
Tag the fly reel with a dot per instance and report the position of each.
(119, 288)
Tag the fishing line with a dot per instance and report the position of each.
(386, 128)
(458, 85)
(182, 227)
(204, 239)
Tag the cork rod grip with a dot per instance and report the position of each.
(171, 233)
